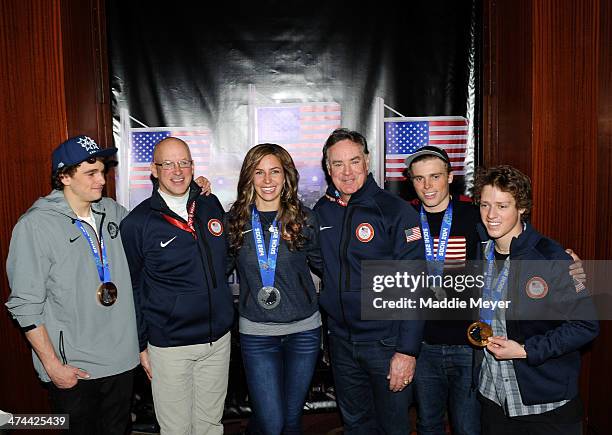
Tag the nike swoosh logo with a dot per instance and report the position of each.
(164, 244)
(247, 231)
(72, 240)
(324, 228)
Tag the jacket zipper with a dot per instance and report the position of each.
(515, 274)
(94, 230)
(202, 242)
(61, 349)
(101, 220)
(345, 238)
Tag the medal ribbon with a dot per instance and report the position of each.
(99, 255)
(493, 291)
(182, 225)
(436, 261)
(266, 260)
(336, 198)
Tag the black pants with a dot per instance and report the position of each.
(96, 406)
(565, 420)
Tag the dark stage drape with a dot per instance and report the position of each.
(187, 64)
(182, 64)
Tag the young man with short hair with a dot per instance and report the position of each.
(71, 292)
(531, 366)
(444, 366)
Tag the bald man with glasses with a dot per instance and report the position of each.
(175, 245)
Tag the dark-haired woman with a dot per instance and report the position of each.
(273, 239)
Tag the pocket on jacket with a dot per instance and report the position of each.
(189, 318)
(389, 342)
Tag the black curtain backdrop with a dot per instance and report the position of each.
(184, 64)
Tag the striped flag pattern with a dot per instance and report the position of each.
(413, 234)
(142, 143)
(302, 130)
(406, 136)
(455, 252)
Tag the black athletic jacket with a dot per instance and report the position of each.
(180, 290)
(374, 225)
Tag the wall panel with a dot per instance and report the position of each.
(600, 418)
(565, 71)
(507, 83)
(33, 119)
(54, 84)
(568, 82)
(86, 82)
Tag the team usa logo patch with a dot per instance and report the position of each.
(364, 232)
(413, 234)
(536, 288)
(215, 227)
(113, 229)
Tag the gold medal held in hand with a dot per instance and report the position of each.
(107, 294)
(478, 333)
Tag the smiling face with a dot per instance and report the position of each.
(268, 181)
(500, 216)
(348, 167)
(85, 185)
(431, 182)
(173, 181)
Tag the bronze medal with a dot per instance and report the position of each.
(478, 333)
(107, 294)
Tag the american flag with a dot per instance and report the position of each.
(405, 137)
(413, 234)
(455, 252)
(144, 140)
(300, 128)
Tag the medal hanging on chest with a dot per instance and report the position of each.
(268, 296)
(435, 259)
(478, 333)
(107, 291)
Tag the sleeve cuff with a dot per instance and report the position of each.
(29, 321)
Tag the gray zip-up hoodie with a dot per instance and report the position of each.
(54, 279)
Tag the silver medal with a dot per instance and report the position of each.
(268, 297)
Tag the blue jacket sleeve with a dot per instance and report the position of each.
(579, 325)
(407, 247)
(313, 249)
(131, 236)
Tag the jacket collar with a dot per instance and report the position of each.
(365, 191)
(528, 238)
(158, 203)
(57, 201)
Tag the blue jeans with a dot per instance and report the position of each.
(360, 372)
(278, 371)
(444, 375)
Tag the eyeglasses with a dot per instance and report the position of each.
(168, 166)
